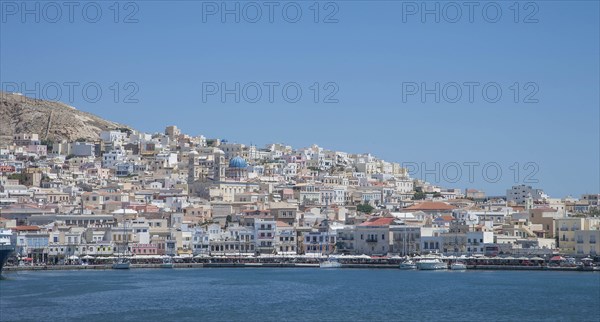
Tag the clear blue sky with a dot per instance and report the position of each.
(374, 48)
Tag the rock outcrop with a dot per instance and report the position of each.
(53, 121)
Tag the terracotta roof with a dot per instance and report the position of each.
(282, 224)
(431, 205)
(378, 221)
(26, 228)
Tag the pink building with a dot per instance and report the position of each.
(144, 249)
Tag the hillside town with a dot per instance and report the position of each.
(171, 194)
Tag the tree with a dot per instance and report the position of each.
(17, 176)
(419, 195)
(365, 208)
(594, 212)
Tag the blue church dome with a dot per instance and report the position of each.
(238, 162)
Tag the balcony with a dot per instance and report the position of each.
(592, 241)
(371, 240)
(580, 241)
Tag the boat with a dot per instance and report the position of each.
(122, 262)
(431, 263)
(167, 262)
(6, 246)
(408, 264)
(330, 263)
(458, 266)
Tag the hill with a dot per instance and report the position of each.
(51, 120)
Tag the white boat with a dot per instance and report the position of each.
(408, 264)
(330, 263)
(431, 263)
(458, 266)
(167, 263)
(6, 246)
(121, 263)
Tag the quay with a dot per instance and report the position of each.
(282, 265)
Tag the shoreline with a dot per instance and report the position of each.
(277, 265)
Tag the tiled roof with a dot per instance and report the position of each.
(26, 228)
(431, 205)
(378, 221)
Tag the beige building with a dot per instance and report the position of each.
(587, 242)
(568, 228)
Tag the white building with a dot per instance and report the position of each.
(519, 194)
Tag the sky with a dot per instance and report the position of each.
(485, 95)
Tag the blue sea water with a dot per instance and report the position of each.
(265, 294)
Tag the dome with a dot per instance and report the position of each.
(238, 162)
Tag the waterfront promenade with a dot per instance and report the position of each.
(271, 262)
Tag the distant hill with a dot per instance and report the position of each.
(51, 120)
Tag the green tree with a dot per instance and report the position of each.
(365, 208)
(17, 176)
(419, 195)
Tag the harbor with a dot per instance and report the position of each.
(446, 262)
(297, 294)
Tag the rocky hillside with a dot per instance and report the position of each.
(51, 120)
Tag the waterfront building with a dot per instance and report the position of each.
(192, 196)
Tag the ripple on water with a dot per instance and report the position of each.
(270, 294)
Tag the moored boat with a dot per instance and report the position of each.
(458, 266)
(121, 263)
(431, 263)
(408, 264)
(167, 262)
(330, 263)
(6, 247)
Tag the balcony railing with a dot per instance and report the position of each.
(371, 240)
(592, 241)
(580, 241)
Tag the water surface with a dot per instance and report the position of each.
(265, 294)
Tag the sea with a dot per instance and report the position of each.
(298, 294)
